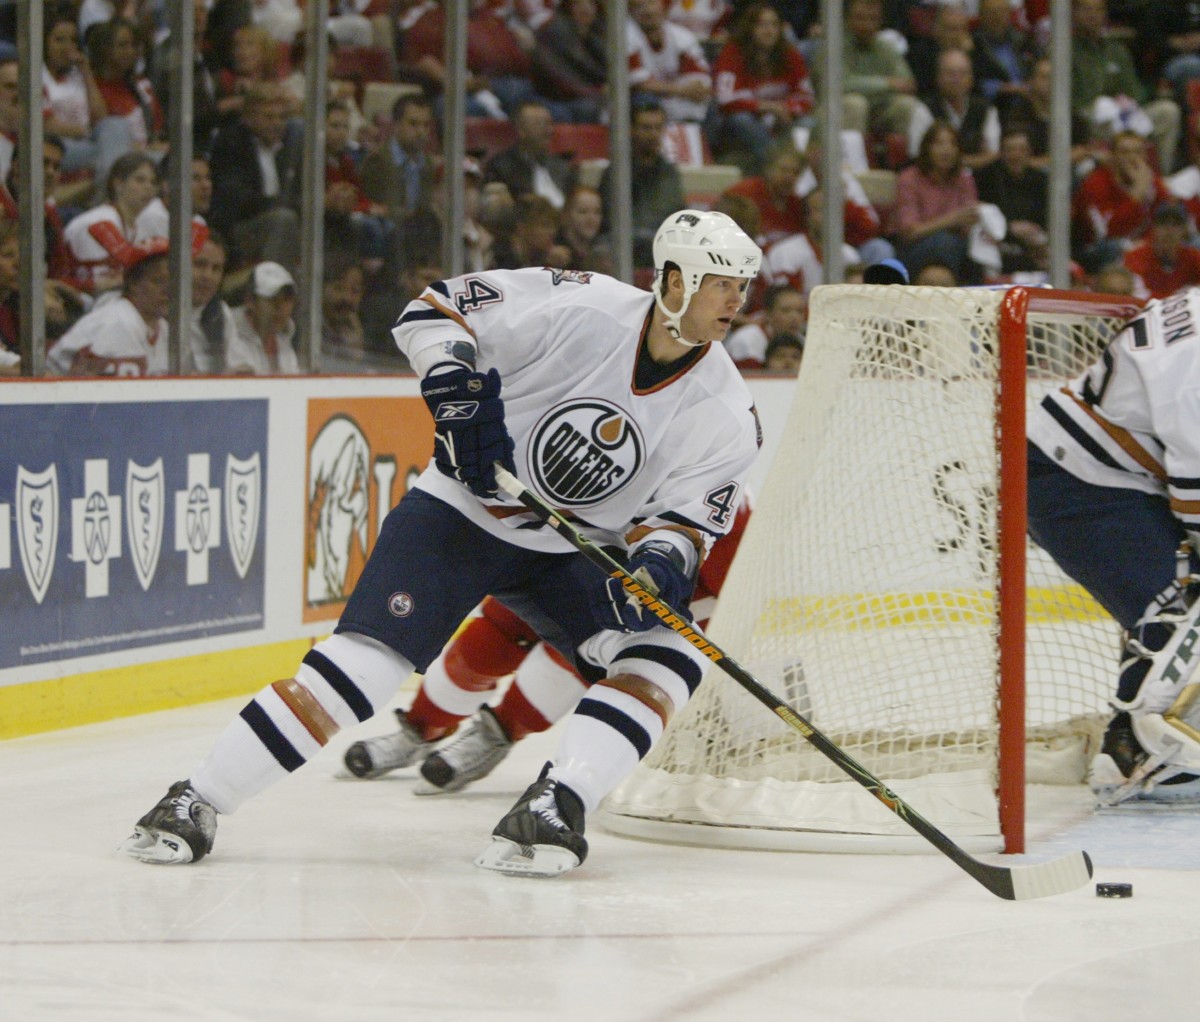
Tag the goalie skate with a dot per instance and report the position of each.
(374, 757)
(179, 830)
(541, 836)
(471, 755)
(1122, 775)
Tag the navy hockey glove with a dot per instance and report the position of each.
(656, 564)
(470, 435)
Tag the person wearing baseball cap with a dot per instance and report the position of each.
(265, 327)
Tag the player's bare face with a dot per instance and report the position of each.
(710, 313)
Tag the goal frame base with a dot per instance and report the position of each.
(759, 839)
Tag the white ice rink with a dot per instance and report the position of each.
(336, 899)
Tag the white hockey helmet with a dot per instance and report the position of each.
(700, 242)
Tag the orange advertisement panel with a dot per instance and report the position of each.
(363, 454)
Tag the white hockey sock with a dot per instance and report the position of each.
(343, 680)
(442, 691)
(547, 686)
(604, 739)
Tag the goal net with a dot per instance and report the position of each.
(885, 589)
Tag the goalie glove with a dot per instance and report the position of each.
(657, 565)
(469, 431)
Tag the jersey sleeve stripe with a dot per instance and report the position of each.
(451, 314)
(418, 315)
(1124, 439)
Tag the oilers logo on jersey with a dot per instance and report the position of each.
(584, 451)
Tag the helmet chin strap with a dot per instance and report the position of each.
(674, 320)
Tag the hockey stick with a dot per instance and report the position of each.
(1015, 883)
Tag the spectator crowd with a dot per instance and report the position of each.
(946, 110)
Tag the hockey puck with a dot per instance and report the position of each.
(1114, 890)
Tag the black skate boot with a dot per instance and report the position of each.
(471, 755)
(1120, 755)
(180, 829)
(374, 757)
(542, 835)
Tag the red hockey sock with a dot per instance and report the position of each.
(431, 720)
(518, 716)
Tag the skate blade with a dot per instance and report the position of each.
(156, 847)
(505, 856)
(424, 787)
(1156, 800)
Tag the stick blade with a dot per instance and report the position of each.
(1041, 880)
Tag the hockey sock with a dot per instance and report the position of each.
(343, 680)
(545, 689)
(460, 680)
(621, 717)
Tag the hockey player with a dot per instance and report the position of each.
(1114, 498)
(494, 644)
(616, 406)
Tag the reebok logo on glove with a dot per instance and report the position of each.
(460, 411)
(470, 435)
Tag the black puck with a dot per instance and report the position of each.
(1114, 890)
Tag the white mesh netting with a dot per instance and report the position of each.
(864, 594)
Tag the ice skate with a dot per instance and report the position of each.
(180, 829)
(1120, 758)
(471, 755)
(541, 836)
(374, 757)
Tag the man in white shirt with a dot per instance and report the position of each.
(265, 328)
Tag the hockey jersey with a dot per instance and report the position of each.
(1132, 420)
(589, 439)
(111, 340)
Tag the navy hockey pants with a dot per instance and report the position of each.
(1118, 544)
(431, 566)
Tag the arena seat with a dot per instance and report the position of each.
(484, 137)
(362, 64)
(580, 141)
(379, 98)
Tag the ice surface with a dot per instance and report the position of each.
(332, 898)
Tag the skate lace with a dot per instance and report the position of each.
(546, 807)
(181, 805)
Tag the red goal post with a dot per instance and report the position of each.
(883, 589)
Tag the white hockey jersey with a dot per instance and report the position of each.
(1132, 420)
(589, 439)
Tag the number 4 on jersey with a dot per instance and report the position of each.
(478, 294)
(723, 501)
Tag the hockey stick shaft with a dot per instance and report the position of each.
(1051, 878)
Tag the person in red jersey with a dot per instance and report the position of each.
(491, 646)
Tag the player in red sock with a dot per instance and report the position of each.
(491, 646)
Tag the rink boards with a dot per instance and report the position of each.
(171, 542)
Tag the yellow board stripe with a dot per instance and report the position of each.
(144, 688)
(869, 611)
